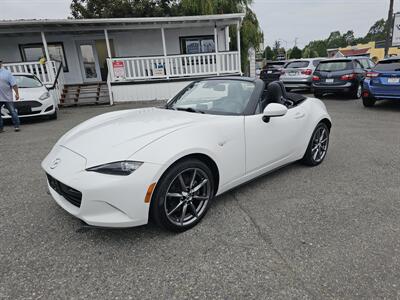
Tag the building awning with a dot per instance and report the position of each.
(354, 52)
(80, 25)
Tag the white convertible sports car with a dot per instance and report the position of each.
(122, 168)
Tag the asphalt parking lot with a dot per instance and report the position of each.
(312, 233)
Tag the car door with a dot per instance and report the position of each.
(272, 144)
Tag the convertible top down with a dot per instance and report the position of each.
(121, 168)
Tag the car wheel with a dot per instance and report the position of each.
(368, 102)
(183, 195)
(357, 92)
(318, 95)
(318, 146)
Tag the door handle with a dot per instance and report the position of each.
(299, 115)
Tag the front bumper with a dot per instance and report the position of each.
(107, 200)
(31, 108)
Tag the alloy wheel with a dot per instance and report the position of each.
(359, 91)
(187, 197)
(319, 144)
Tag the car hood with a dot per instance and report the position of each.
(31, 93)
(118, 135)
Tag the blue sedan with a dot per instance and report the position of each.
(383, 82)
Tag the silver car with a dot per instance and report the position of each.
(298, 73)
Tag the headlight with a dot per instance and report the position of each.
(44, 96)
(123, 168)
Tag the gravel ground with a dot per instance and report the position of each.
(311, 233)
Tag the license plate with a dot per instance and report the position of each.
(269, 72)
(393, 80)
(329, 80)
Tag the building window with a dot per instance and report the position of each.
(34, 52)
(197, 44)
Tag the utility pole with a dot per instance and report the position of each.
(389, 28)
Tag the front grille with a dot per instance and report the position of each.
(71, 195)
(30, 103)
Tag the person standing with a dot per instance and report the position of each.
(7, 85)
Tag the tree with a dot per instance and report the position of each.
(309, 53)
(269, 54)
(377, 31)
(349, 37)
(295, 53)
(90, 9)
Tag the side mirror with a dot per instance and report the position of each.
(274, 110)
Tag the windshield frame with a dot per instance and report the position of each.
(250, 108)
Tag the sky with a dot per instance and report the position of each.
(285, 20)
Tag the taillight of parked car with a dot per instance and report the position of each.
(349, 77)
(316, 78)
(306, 72)
(372, 74)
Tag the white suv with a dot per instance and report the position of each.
(298, 73)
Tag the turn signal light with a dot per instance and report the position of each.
(316, 78)
(348, 77)
(365, 94)
(372, 74)
(149, 193)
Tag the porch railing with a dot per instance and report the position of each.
(50, 73)
(175, 66)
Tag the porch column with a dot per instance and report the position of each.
(216, 48)
(238, 46)
(109, 67)
(227, 38)
(165, 52)
(107, 43)
(51, 73)
(46, 49)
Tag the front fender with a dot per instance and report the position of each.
(222, 140)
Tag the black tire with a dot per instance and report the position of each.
(318, 94)
(167, 211)
(368, 102)
(356, 92)
(54, 116)
(310, 158)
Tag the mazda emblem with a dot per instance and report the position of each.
(55, 163)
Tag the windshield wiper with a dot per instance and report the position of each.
(189, 109)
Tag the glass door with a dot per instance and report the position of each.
(89, 61)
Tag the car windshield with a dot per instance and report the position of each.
(298, 64)
(26, 81)
(333, 66)
(388, 65)
(227, 97)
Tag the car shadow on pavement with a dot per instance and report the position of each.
(386, 105)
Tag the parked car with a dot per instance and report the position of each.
(168, 163)
(366, 62)
(298, 73)
(272, 71)
(343, 75)
(35, 98)
(383, 82)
